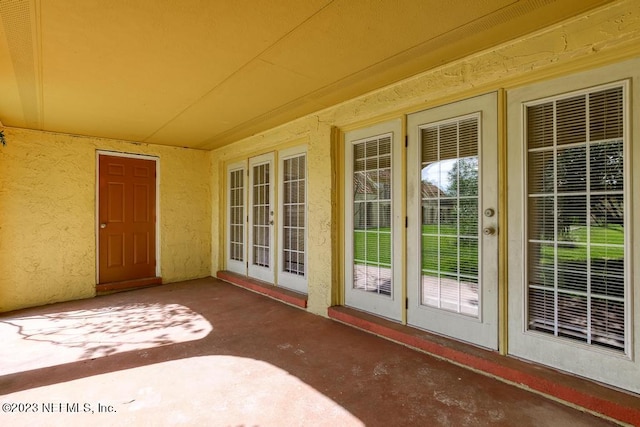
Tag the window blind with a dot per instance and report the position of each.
(236, 214)
(575, 217)
(449, 197)
(294, 215)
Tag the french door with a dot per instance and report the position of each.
(237, 218)
(373, 221)
(261, 218)
(254, 248)
(452, 199)
(573, 276)
(292, 219)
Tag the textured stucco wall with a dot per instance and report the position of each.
(602, 36)
(47, 215)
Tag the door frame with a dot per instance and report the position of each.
(392, 306)
(269, 274)
(619, 369)
(484, 329)
(239, 267)
(286, 279)
(97, 205)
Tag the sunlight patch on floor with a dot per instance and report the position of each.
(33, 342)
(207, 390)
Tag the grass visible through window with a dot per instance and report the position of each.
(373, 247)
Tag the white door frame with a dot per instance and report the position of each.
(601, 364)
(484, 329)
(237, 266)
(262, 272)
(295, 282)
(390, 306)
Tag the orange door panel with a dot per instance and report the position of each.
(127, 217)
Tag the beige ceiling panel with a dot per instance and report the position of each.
(351, 35)
(257, 88)
(485, 32)
(143, 63)
(204, 73)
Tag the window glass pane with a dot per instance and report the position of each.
(261, 236)
(449, 244)
(294, 211)
(236, 215)
(575, 218)
(372, 235)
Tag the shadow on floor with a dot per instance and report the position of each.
(206, 352)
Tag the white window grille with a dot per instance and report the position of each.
(372, 219)
(236, 215)
(449, 226)
(576, 216)
(261, 215)
(294, 214)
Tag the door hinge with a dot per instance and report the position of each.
(406, 140)
(406, 222)
(406, 303)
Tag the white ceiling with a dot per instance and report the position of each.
(205, 73)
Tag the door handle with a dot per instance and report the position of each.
(103, 225)
(489, 231)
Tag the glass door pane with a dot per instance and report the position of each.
(261, 218)
(372, 215)
(293, 219)
(449, 194)
(236, 218)
(575, 218)
(373, 220)
(452, 236)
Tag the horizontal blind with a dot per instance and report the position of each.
(449, 226)
(236, 214)
(575, 217)
(294, 215)
(261, 215)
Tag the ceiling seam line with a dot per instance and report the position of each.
(257, 56)
(520, 10)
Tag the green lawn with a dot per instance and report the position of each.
(373, 246)
(577, 249)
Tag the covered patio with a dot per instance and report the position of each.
(206, 352)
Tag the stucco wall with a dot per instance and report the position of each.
(47, 215)
(602, 36)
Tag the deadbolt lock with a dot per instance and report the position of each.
(489, 212)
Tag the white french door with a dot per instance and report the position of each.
(373, 222)
(292, 219)
(261, 218)
(251, 238)
(571, 168)
(452, 199)
(236, 218)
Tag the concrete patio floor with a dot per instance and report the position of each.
(205, 352)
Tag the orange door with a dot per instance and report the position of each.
(127, 218)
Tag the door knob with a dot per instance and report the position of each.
(489, 231)
(103, 225)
